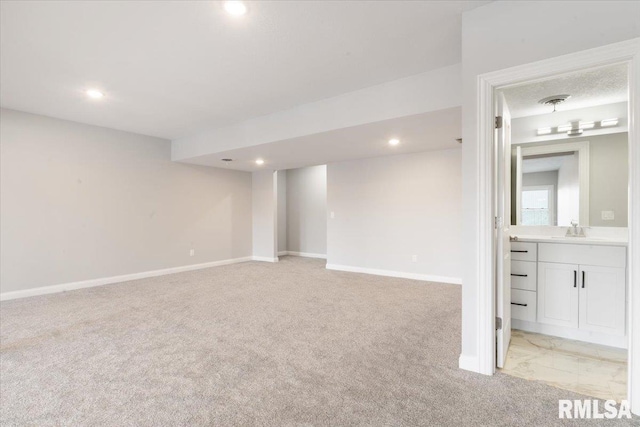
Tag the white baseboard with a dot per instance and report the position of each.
(264, 259)
(304, 254)
(400, 274)
(5, 296)
(618, 341)
(469, 363)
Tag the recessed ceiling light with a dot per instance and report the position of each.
(235, 8)
(544, 131)
(608, 122)
(95, 94)
(394, 141)
(259, 162)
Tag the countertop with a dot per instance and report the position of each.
(604, 241)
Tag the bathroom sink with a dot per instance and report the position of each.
(577, 238)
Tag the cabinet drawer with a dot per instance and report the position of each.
(524, 275)
(523, 305)
(524, 251)
(565, 253)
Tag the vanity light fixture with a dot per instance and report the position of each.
(235, 8)
(586, 125)
(94, 94)
(259, 162)
(576, 128)
(394, 141)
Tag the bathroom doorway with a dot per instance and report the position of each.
(561, 165)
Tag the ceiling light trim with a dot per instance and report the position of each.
(94, 93)
(235, 8)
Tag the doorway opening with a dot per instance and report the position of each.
(302, 212)
(561, 180)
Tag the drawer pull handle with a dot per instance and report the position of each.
(520, 252)
(575, 279)
(517, 303)
(582, 279)
(520, 275)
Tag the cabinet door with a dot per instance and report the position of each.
(558, 294)
(602, 299)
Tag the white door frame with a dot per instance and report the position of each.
(627, 52)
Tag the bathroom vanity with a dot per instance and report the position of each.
(569, 237)
(570, 287)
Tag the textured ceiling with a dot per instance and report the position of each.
(589, 88)
(173, 68)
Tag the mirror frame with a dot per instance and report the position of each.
(582, 148)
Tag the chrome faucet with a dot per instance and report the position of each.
(574, 231)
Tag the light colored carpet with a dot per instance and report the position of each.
(253, 344)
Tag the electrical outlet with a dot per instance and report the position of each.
(192, 252)
(414, 258)
(332, 215)
(608, 215)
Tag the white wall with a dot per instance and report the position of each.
(82, 202)
(264, 206)
(500, 35)
(307, 210)
(609, 179)
(282, 210)
(540, 178)
(388, 209)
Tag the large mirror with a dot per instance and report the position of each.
(558, 183)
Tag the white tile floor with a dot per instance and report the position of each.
(590, 369)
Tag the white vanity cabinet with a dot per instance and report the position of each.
(577, 291)
(558, 294)
(582, 286)
(582, 296)
(602, 299)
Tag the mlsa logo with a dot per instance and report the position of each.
(593, 409)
